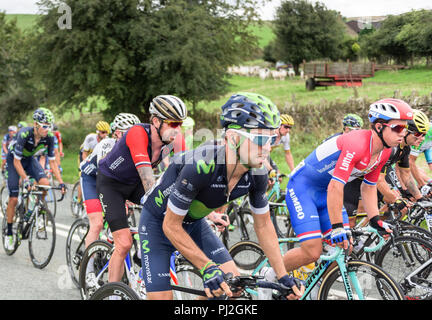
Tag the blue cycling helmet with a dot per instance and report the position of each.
(250, 111)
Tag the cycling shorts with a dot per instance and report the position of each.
(156, 249)
(307, 205)
(352, 195)
(113, 195)
(90, 194)
(32, 168)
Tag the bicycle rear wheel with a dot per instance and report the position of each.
(374, 283)
(4, 199)
(42, 238)
(115, 291)
(402, 256)
(75, 247)
(247, 256)
(75, 204)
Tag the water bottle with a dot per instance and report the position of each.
(31, 206)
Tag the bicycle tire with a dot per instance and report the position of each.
(399, 268)
(39, 233)
(52, 203)
(74, 255)
(75, 203)
(15, 232)
(101, 251)
(4, 198)
(386, 286)
(116, 289)
(247, 255)
(189, 277)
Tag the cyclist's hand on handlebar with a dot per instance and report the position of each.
(214, 281)
(382, 227)
(296, 285)
(221, 220)
(63, 188)
(28, 183)
(340, 236)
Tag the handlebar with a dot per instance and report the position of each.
(38, 189)
(367, 229)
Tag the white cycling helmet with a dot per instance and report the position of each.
(124, 121)
(168, 107)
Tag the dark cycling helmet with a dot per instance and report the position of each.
(352, 120)
(250, 111)
(43, 115)
(22, 124)
(419, 123)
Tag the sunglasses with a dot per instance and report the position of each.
(417, 134)
(45, 126)
(173, 124)
(287, 126)
(258, 139)
(398, 128)
(103, 132)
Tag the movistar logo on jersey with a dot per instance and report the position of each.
(206, 168)
(144, 246)
(163, 194)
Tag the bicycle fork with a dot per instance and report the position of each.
(348, 276)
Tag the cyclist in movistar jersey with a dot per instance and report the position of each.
(126, 172)
(198, 181)
(315, 191)
(21, 160)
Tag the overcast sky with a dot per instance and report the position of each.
(348, 8)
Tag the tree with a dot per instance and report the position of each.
(17, 93)
(129, 51)
(306, 31)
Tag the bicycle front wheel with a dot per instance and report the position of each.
(115, 291)
(75, 204)
(247, 256)
(75, 247)
(187, 276)
(368, 282)
(42, 238)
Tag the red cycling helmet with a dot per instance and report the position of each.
(390, 109)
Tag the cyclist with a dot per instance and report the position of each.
(21, 124)
(12, 130)
(59, 145)
(417, 129)
(92, 139)
(425, 147)
(200, 180)
(126, 172)
(315, 191)
(22, 163)
(122, 122)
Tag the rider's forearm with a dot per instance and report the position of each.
(369, 200)
(19, 168)
(180, 239)
(385, 190)
(409, 182)
(56, 171)
(415, 171)
(147, 178)
(268, 241)
(289, 159)
(335, 195)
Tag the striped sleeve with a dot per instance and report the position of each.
(137, 142)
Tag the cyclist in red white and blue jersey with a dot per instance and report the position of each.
(126, 172)
(315, 191)
(202, 180)
(89, 168)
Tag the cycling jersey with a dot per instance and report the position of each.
(90, 142)
(132, 151)
(285, 141)
(5, 142)
(88, 169)
(23, 145)
(195, 183)
(342, 158)
(425, 147)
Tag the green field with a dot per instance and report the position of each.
(24, 21)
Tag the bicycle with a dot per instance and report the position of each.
(75, 241)
(39, 228)
(338, 275)
(77, 205)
